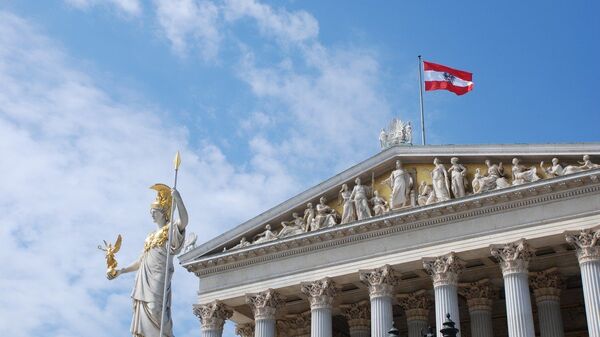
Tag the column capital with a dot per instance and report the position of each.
(546, 285)
(513, 256)
(299, 324)
(357, 314)
(416, 305)
(265, 304)
(381, 281)
(444, 269)
(320, 293)
(479, 295)
(212, 315)
(245, 330)
(586, 242)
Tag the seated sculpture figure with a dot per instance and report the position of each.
(556, 170)
(326, 216)
(380, 205)
(521, 175)
(265, 236)
(494, 179)
(585, 165)
(426, 194)
(294, 227)
(243, 243)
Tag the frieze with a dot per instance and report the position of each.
(539, 192)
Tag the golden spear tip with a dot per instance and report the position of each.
(177, 161)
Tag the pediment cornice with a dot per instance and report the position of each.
(498, 201)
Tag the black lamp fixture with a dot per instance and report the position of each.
(448, 329)
(428, 333)
(393, 332)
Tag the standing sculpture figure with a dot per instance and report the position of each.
(521, 175)
(361, 200)
(325, 216)
(150, 280)
(555, 170)
(458, 173)
(400, 182)
(348, 214)
(309, 216)
(380, 205)
(383, 139)
(439, 179)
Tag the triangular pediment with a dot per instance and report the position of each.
(417, 161)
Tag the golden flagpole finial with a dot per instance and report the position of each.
(177, 161)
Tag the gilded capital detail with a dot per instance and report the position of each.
(381, 281)
(585, 242)
(357, 314)
(244, 330)
(513, 257)
(265, 304)
(444, 270)
(546, 285)
(416, 305)
(479, 295)
(212, 315)
(320, 293)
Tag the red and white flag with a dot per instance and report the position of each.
(439, 77)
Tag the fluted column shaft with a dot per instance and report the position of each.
(444, 271)
(514, 261)
(590, 279)
(546, 287)
(550, 318)
(416, 307)
(587, 244)
(381, 282)
(481, 323)
(416, 327)
(358, 317)
(479, 300)
(265, 327)
(320, 325)
(320, 295)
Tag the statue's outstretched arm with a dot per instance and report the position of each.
(183, 215)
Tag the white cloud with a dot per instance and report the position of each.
(190, 22)
(129, 7)
(76, 168)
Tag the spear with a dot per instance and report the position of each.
(176, 163)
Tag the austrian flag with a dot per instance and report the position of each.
(439, 77)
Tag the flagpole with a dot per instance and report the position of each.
(421, 100)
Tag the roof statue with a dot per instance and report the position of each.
(398, 133)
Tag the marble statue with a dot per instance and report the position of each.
(348, 212)
(309, 216)
(477, 181)
(555, 170)
(150, 267)
(265, 236)
(361, 202)
(426, 194)
(398, 132)
(380, 205)
(458, 181)
(326, 216)
(439, 179)
(401, 183)
(243, 243)
(190, 242)
(290, 228)
(521, 175)
(494, 179)
(584, 166)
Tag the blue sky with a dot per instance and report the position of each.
(97, 95)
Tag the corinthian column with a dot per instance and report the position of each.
(444, 271)
(358, 316)
(586, 242)
(479, 297)
(244, 330)
(514, 261)
(416, 307)
(381, 282)
(320, 295)
(212, 316)
(264, 305)
(546, 289)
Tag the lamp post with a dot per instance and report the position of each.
(393, 332)
(448, 329)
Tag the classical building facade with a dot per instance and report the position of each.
(425, 231)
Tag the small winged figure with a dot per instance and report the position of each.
(110, 251)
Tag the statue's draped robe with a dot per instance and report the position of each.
(400, 185)
(147, 293)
